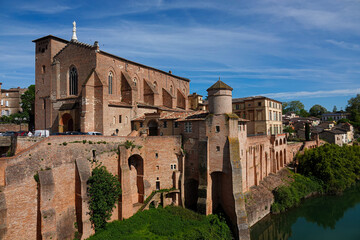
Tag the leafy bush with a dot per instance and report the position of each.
(104, 190)
(337, 167)
(289, 196)
(327, 169)
(166, 223)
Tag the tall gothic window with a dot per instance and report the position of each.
(110, 79)
(73, 81)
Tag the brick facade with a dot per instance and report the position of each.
(207, 158)
(10, 100)
(99, 102)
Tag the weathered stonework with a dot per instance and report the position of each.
(98, 103)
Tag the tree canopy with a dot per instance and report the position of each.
(28, 101)
(353, 107)
(317, 110)
(104, 190)
(293, 106)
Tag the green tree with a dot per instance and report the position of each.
(335, 109)
(303, 113)
(343, 120)
(293, 106)
(104, 190)
(317, 110)
(28, 105)
(289, 129)
(285, 107)
(353, 107)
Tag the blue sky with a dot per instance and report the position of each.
(285, 49)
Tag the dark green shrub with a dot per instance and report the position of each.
(286, 197)
(166, 223)
(104, 190)
(336, 167)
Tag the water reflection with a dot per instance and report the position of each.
(324, 211)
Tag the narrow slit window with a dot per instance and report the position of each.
(73, 81)
(110, 80)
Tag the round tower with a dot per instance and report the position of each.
(220, 98)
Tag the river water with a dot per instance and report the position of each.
(326, 217)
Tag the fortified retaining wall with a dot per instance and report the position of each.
(259, 198)
(43, 188)
(13, 127)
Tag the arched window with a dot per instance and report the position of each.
(134, 80)
(155, 85)
(110, 79)
(171, 89)
(73, 81)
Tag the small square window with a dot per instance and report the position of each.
(141, 124)
(259, 104)
(218, 148)
(217, 128)
(157, 167)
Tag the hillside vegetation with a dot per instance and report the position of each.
(327, 169)
(166, 223)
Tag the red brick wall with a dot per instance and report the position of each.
(51, 153)
(13, 127)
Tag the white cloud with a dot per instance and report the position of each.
(314, 94)
(45, 9)
(345, 45)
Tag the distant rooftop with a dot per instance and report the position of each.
(238, 100)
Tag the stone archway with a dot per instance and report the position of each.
(66, 123)
(153, 128)
(136, 167)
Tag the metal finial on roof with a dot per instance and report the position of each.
(74, 37)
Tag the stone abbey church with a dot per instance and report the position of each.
(206, 157)
(81, 88)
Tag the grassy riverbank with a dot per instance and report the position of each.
(328, 169)
(166, 223)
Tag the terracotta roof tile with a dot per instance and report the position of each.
(219, 85)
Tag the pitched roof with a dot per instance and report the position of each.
(219, 85)
(336, 131)
(239, 100)
(108, 54)
(179, 116)
(52, 37)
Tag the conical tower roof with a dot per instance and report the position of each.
(220, 85)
